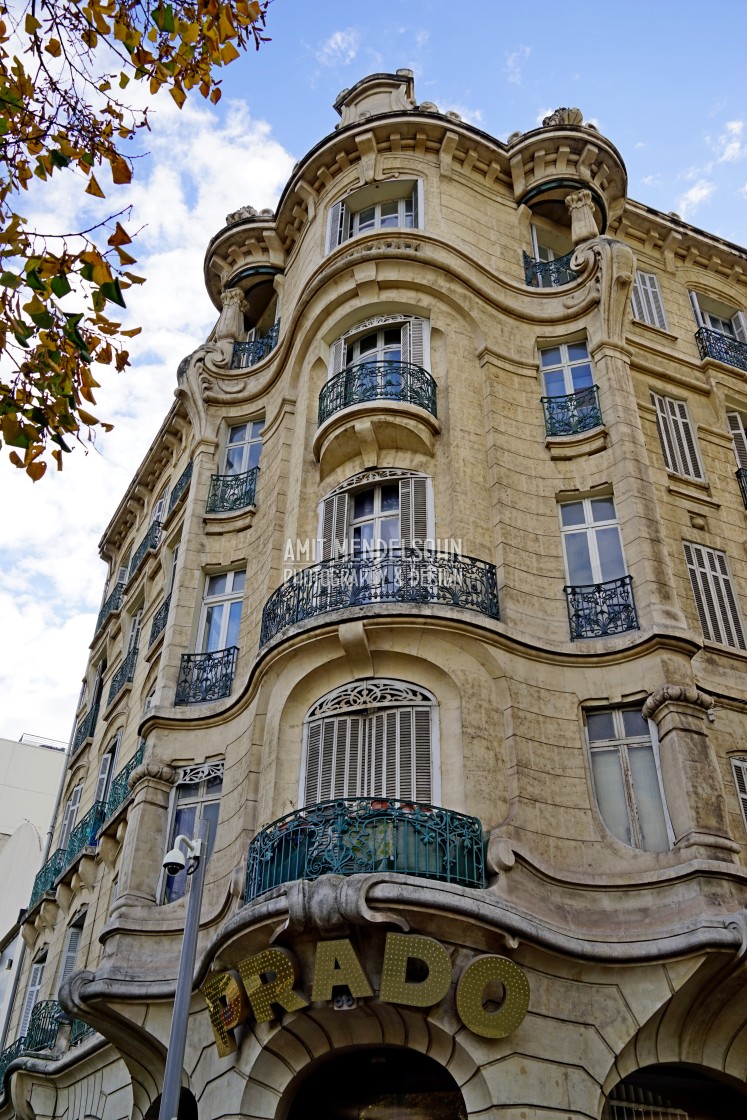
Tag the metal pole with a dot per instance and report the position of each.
(172, 1078)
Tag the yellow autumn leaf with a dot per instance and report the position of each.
(87, 417)
(31, 24)
(121, 170)
(179, 95)
(54, 48)
(36, 470)
(229, 53)
(94, 189)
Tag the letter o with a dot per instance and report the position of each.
(471, 987)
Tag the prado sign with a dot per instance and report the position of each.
(267, 981)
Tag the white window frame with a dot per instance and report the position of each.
(254, 433)
(620, 744)
(133, 638)
(414, 342)
(159, 508)
(344, 729)
(343, 217)
(739, 770)
(70, 814)
(106, 769)
(732, 323)
(190, 778)
(416, 511)
(646, 301)
(567, 365)
(715, 601)
(225, 599)
(739, 438)
(676, 431)
(590, 527)
(33, 988)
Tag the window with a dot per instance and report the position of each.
(134, 635)
(72, 944)
(591, 541)
(159, 508)
(70, 814)
(373, 738)
(196, 798)
(739, 438)
(676, 437)
(375, 512)
(717, 316)
(714, 597)
(106, 770)
(36, 975)
(221, 611)
(646, 302)
(739, 769)
(395, 204)
(243, 447)
(625, 772)
(549, 246)
(395, 340)
(566, 369)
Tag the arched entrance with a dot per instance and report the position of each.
(374, 1083)
(678, 1091)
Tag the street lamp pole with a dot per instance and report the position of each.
(172, 1078)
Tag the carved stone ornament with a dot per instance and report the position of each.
(365, 477)
(677, 693)
(240, 214)
(562, 117)
(581, 207)
(160, 771)
(369, 694)
(231, 322)
(331, 903)
(614, 264)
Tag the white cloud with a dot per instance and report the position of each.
(693, 199)
(542, 114)
(340, 48)
(729, 144)
(472, 116)
(651, 180)
(514, 62)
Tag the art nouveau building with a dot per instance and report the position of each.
(430, 598)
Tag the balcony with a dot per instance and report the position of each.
(742, 480)
(206, 676)
(113, 603)
(714, 344)
(230, 492)
(159, 621)
(355, 835)
(48, 876)
(150, 541)
(377, 381)
(123, 675)
(407, 577)
(85, 728)
(549, 274)
(120, 789)
(180, 487)
(247, 354)
(45, 1021)
(600, 610)
(84, 835)
(572, 414)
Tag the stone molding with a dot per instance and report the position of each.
(676, 693)
(158, 771)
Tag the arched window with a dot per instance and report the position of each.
(375, 510)
(384, 338)
(371, 738)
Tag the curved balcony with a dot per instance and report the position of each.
(355, 835)
(572, 414)
(600, 610)
(84, 835)
(123, 675)
(111, 604)
(47, 1016)
(378, 381)
(230, 492)
(549, 274)
(246, 354)
(714, 344)
(406, 576)
(150, 542)
(206, 676)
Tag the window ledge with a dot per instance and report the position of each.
(233, 520)
(571, 447)
(657, 331)
(692, 489)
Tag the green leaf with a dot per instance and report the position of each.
(43, 319)
(111, 290)
(10, 280)
(59, 159)
(34, 281)
(164, 18)
(60, 285)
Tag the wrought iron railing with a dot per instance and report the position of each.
(232, 491)
(600, 609)
(574, 413)
(549, 274)
(120, 789)
(10, 1053)
(160, 618)
(123, 675)
(150, 541)
(47, 1016)
(85, 833)
(377, 381)
(47, 876)
(742, 480)
(78, 1031)
(714, 344)
(247, 354)
(86, 727)
(206, 676)
(354, 835)
(111, 604)
(401, 576)
(181, 484)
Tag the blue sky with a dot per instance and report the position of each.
(663, 81)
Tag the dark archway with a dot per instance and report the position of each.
(375, 1083)
(687, 1092)
(187, 1107)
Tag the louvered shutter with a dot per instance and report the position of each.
(696, 308)
(739, 323)
(334, 528)
(736, 427)
(337, 352)
(646, 300)
(159, 508)
(423, 780)
(71, 953)
(32, 995)
(664, 431)
(106, 769)
(338, 228)
(689, 463)
(413, 342)
(413, 512)
(135, 630)
(739, 766)
(731, 623)
(714, 597)
(636, 300)
(313, 751)
(377, 755)
(418, 205)
(405, 761)
(71, 812)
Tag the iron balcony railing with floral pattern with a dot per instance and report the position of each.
(120, 789)
(742, 480)
(549, 274)
(405, 576)
(714, 344)
(48, 875)
(85, 728)
(206, 676)
(85, 833)
(247, 354)
(160, 619)
(123, 675)
(47, 1016)
(377, 381)
(181, 484)
(599, 610)
(111, 604)
(232, 491)
(150, 541)
(355, 835)
(572, 414)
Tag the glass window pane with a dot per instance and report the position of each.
(238, 434)
(254, 451)
(611, 563)
(211, 637)
(600, 725)
(370, 342)
(610, 793)
(257, 428)
(572, 513)
(367, 218)
(389, 215)
(550, 357)
(635, 725)
(389, 529)
(216, 585)
(579, 561)
(363, 504)
(390, 497)
(239, 579)
(234, 621)
(211, 812)
(577, 351)
(184, 822)
(555, 383)
(582, 378)
(648, 799)
(602, 509)
(235, 459)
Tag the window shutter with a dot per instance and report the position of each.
(646, 300)
(418, 205)
(714, 597)
(736, 427)
(413, 511)
(739, 766)
(160, 506)
(337, 352)
(32, 995)
(334, 532)
(71, 953)
(684, 439)
(739, 322)
(659, 315)
(423, 762)
(377, 772)
(71, 812)
(106, 768)
(726, 599)
(413, 342)
(313, 749)
(696, 308)
(405, 761)
(135, 630)
(636, 299)
(391, 784)
(338, 229)
(665, 434)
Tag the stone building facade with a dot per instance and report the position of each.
(429, 598)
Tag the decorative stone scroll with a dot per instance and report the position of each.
(563, 116)
(369, 694)
(681, 693)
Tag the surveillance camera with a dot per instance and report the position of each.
(174, 861)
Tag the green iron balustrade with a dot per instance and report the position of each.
(598, 610)
(10, 1053)
(354, 835)
(714, 344)
(549, 274)
(113, 603)
(405, 576)
(120, 789)
(574, 413)
(159, 620)
(377, 381)
(742, 480)
(47, 1016)
(206, 676)
(180, 486)
(232, 491)
(85, 728)
(78, 1031)
(85, 833)
(247, 354)
(48, 876)
(150, 541)
(123, 675)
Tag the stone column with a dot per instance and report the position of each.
(140, 865)
(583, 225)
(692, 782)
(230, 325)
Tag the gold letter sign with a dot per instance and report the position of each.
(470, 996)
(263, 993)
(227, 1008)
(396, 988)
(337, 965)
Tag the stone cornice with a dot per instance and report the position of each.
(677, 693)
